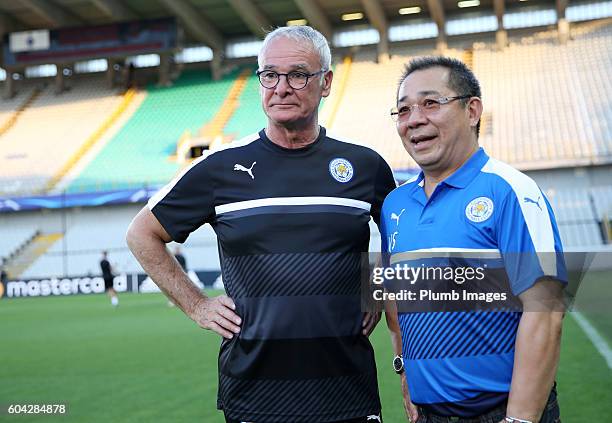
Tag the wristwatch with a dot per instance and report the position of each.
(398, 364)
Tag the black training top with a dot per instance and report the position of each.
(291, 227)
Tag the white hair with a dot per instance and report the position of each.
(301, 33)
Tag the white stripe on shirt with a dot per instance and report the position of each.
(292, 201)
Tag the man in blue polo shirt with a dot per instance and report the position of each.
(466, 366)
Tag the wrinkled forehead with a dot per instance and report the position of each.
(422, 83)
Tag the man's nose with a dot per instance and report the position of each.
(283, 88)
(416, 118)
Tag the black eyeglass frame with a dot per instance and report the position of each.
(307, 75)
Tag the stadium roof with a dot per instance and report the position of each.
(213, 22)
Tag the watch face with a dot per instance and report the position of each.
(398, 364)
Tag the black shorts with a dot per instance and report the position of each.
(108, 282)
(364, 419)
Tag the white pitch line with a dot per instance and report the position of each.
(599, 342)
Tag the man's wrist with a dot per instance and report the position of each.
(522, 413)
(398, 364)
(195, 305)
(510, 419)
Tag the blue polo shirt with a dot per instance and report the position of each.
(460, 363)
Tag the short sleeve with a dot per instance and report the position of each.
(384, 184)
(187, 202)
(528, 239)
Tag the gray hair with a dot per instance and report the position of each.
(301, 33)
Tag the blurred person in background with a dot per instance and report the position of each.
(108, 276)
(3, 274)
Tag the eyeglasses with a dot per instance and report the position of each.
(426, 106)
(296, 80)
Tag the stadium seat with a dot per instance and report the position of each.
(139, 153)
(50, 130)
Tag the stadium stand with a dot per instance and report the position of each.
(84, 240)
(330, 105)
(50, 130)
(363, 114)
(92, 147)
(11, 108)
(602, 201)
(14, 239)
(84, 243)
(30, 252)
(248, 117)
(578, 220)
(212, 131)
(91, 141)
(139, 153)
(522, 124)
(530, 127)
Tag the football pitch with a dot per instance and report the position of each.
(146, 362)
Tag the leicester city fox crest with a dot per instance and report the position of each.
(479, 209)
(341, 170)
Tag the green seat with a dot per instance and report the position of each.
(139, 153)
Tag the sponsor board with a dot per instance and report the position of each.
(61, 286)
(85, 285)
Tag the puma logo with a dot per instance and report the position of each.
(374, 417)
(537, 203)
(396, 217)
(244, 169)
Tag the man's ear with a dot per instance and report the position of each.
(474, 108)
(326, 82)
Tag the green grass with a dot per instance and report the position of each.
(147, 362)
(593, 299)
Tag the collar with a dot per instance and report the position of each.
(462, 176)
(468, 171)
(295, 151)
